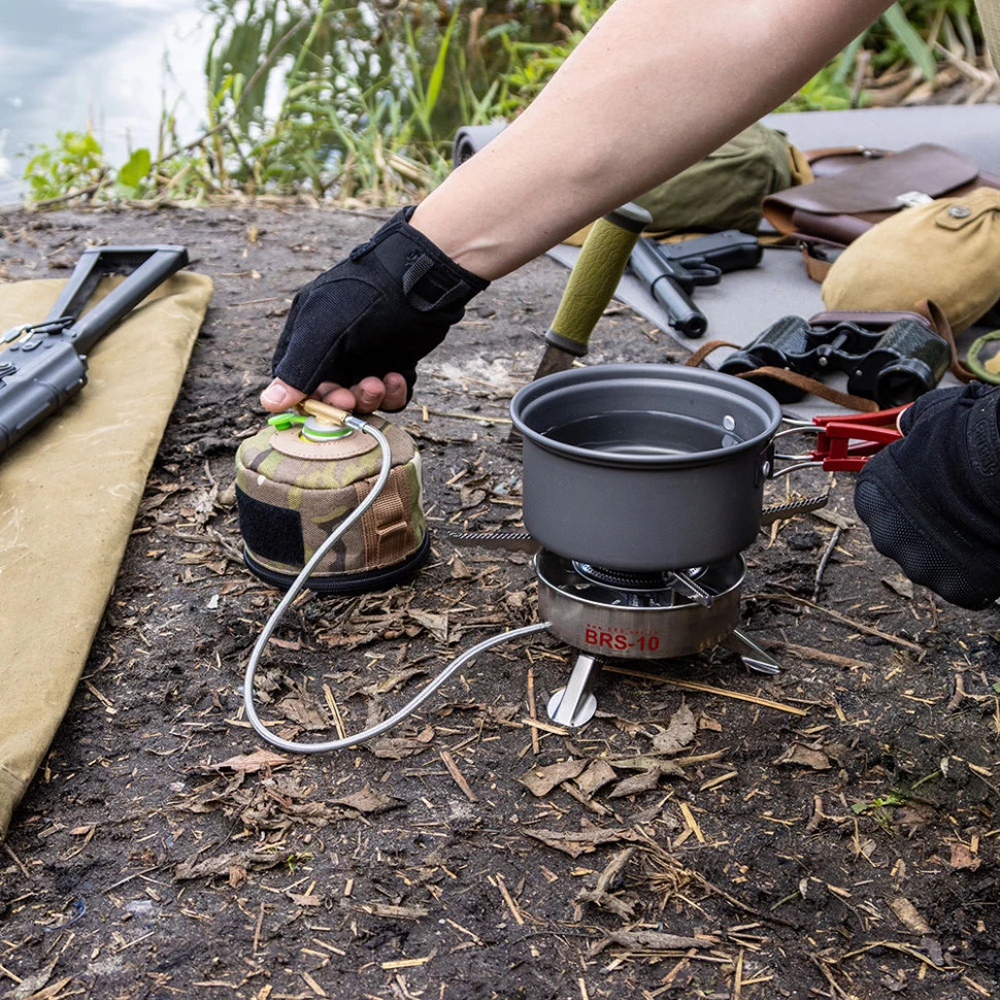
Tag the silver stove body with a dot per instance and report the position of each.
(611, 614)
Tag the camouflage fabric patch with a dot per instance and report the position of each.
(325, 491)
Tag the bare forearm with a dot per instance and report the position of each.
(655, 86)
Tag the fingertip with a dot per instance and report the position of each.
(340, 397)
(280, 396)
(369, 393)
(394, 383)
(396, 393)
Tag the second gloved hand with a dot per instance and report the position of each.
(381, 310)
(932, 499)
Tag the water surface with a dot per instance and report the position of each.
(111, 63)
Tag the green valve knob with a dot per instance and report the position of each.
(282, 421)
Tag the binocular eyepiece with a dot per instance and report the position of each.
(892, 365)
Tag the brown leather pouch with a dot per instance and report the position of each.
(870, 319)
(847, 200)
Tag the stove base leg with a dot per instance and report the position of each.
(575, 705)
(751, 654)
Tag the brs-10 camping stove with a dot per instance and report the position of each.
(614, 614)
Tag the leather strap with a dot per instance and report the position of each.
(803, 382)
(815, 268)
(933, 312)
(706, 349)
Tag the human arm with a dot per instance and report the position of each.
(654, 86)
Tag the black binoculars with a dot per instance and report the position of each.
(892, 364)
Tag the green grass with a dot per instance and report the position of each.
(371, 96)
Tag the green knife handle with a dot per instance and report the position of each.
(595, 277)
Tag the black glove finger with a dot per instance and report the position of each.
(932, 499)
(900, 528)
(929, 403)
(313, 351)
(287, 330)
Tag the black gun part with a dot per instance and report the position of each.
(665, 283)
(44, 364)
(713, 255)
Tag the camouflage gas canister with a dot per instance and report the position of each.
(299, 478)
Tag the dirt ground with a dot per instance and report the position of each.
(833, 836)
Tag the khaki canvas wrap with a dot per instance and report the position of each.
(68, 496)
(723, 190)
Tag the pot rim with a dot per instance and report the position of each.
(745, 391)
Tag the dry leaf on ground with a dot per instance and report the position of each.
(962, 857)
(370, 802)
(581, 841)
(599, 774)
(909, 915)
(679, 732)
(541, 780)
(249, 763)
(799, 755)
(644, 781)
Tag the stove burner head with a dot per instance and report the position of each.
(663, 588)
(641, 615)
(622, 579)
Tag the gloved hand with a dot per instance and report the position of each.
(932, 499)
(377, 312)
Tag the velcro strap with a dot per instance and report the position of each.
(417, 267)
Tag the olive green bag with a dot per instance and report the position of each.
(725, 189)
(947, 251)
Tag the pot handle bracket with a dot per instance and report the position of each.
(843, 444)
(765, 464)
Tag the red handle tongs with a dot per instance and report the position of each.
(844, 444)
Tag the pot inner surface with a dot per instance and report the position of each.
(644, 416)
(644, 432)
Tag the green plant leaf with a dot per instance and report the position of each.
(131, 174)
(916, 48)
(846, 61)
(437, 76)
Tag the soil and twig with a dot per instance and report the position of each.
(830, 832)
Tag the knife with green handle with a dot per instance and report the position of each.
(591, 284)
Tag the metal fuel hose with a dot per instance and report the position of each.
(293, 591)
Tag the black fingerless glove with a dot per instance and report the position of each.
(932, 499)
(381, 310)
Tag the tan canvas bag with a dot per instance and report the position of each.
(947, 251)
(68, 497)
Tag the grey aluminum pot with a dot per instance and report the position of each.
(645, 466)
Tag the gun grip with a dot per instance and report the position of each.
(595, 277)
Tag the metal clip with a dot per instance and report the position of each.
(913, 199)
